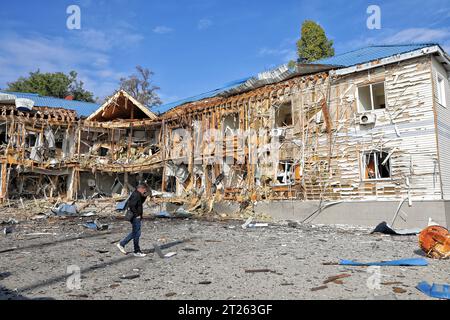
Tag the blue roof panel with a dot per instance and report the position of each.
(368, 54)
(83, 109)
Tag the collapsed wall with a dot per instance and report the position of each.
(50, 153)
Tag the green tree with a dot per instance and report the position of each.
(58, 85)
(140, 87)
(314, 44)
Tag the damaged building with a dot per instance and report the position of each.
(359, 136)
(353, 139)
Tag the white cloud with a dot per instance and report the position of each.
(20, 55)
(106, 40)
(162, 30)
(285, 51)
(87, 51)
(286, 54)
(417, 35)
(392, 37)
(168, 98)
(204, 24)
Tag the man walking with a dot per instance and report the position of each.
(135, 210)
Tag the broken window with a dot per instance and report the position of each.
(3, 134)
(230, 124)
(283, 115)
(372, 97)
(103, 152)
(30, 139)
(376, 165)
(441, 91)
(285, 174)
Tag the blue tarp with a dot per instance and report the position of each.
(439, 291)
(418, 262)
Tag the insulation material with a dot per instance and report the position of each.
(50, 138)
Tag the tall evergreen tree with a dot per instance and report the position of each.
(314, 44)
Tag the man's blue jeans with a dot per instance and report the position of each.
(134, 235)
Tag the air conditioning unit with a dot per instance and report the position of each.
(367, 118)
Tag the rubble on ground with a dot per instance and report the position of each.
(223, 260)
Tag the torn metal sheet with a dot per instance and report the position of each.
(24, 105)
(386, 229)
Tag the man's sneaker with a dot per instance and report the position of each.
(140, 255)
(122, 249)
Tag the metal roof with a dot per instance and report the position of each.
(283, 72)
(371, 53)
(273, 76)
(166, 107)
(83, 109)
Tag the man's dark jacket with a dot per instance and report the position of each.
(135, 203)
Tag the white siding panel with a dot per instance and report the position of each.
(443, 124)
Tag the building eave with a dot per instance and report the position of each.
(392, 59)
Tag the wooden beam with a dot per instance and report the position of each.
(71, 184)
(4, 182)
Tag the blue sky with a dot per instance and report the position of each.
(194, 46)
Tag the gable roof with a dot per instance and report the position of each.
(113, 102)
(83, 109)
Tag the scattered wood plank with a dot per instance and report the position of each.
(336, 279)
(259, 271)
(319, 288)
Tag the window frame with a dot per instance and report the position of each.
(441, 92)
(288, 174)
(377, 173)
(234, 132)
(372, 100)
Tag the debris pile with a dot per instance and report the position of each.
(435, 242)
